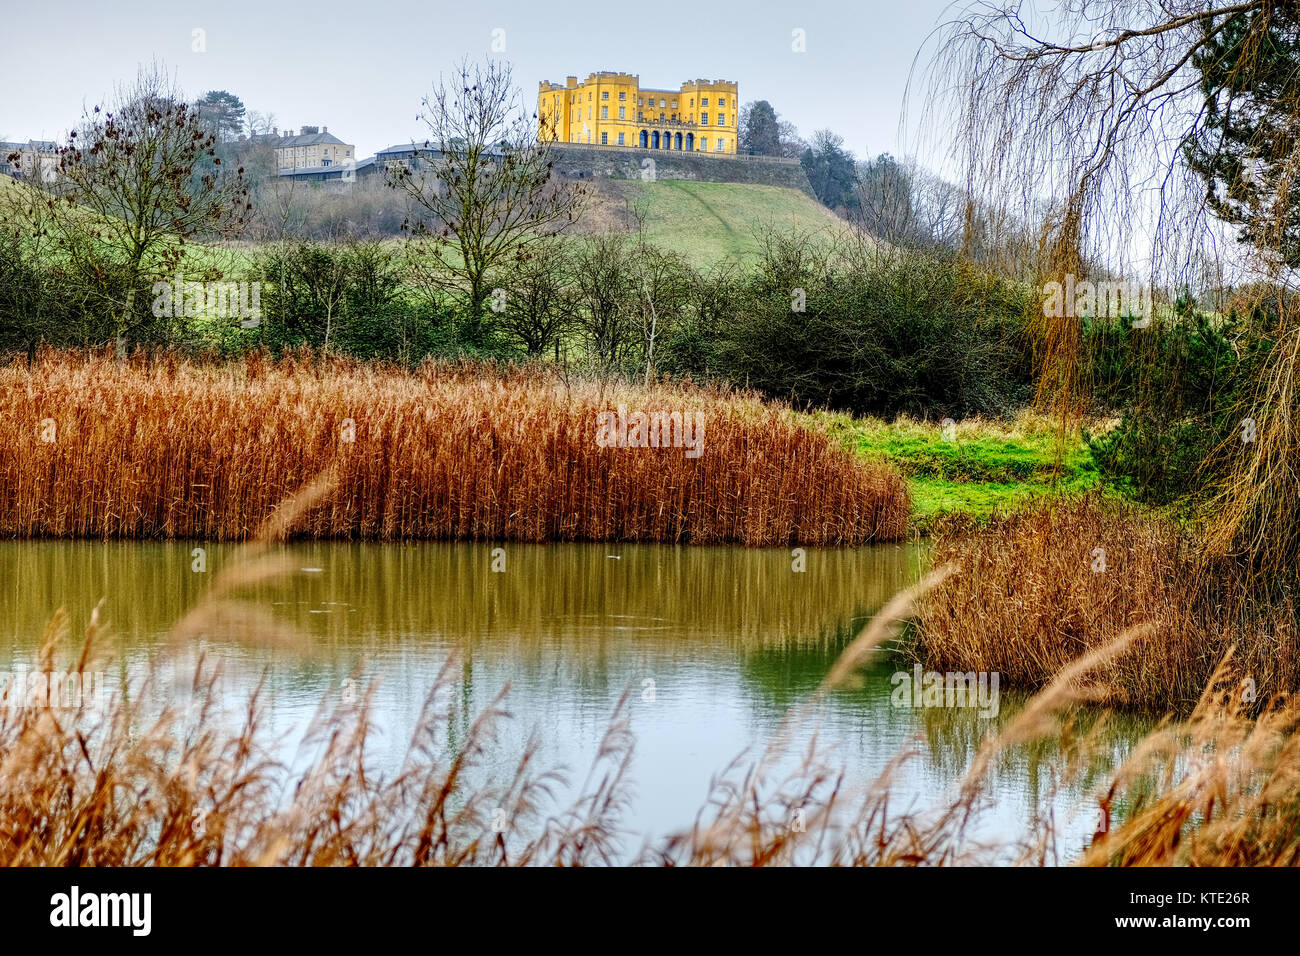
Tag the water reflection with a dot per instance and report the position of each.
(715, 644)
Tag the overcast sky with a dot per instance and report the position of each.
(361, 68)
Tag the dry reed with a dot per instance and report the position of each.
(93, 447)
(1037, 589)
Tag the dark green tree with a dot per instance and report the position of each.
(760, 134)
(223, 113)
(764, 133)
(831, 170)
(1246, 146)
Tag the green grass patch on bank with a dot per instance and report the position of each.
(975, 466)
(932, 498)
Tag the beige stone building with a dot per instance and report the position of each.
(312, 147)
(23, 160)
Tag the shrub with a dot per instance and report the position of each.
(882, 331)
(1183, 386)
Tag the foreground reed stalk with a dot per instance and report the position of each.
(99, 448)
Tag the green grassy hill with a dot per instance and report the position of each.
(706, 222)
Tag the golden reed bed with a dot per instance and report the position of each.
(95, 447)
(1035, 589)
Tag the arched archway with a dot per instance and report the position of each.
(677, 141)
(690, 142)
(654, 139)
(645, 139)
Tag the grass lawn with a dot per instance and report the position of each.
(709, 222)
(705, 222)
(975, 466)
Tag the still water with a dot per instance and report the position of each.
(714, 647)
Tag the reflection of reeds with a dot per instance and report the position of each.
(723, 597)
(92, 447)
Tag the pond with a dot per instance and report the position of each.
(713, 646)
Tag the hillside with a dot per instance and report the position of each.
(705, 221)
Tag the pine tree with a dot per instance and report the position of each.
(1246, 147)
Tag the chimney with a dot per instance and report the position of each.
(324, 129)
(302, 131)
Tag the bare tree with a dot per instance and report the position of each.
(605, 284)
(906, 204)
(483, 185)
(260, 123)
(661, 282)
(541, 302)
(136, 183)
(886, 204)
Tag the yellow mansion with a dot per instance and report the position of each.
(612, 109)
